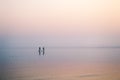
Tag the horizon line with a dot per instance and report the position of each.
(22, 47)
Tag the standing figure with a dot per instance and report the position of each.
(43, 50)
(39, 50)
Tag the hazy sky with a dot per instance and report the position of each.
(68, 21)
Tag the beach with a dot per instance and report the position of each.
(61, 64)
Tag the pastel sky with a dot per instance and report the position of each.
(90, 20)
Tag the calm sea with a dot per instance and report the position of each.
(60, 63)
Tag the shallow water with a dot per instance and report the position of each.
(60, 64)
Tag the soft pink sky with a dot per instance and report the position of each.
(71, 18)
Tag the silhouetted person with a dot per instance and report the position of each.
(43, 50)
(39, 50)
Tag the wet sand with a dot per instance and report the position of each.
(62, 64)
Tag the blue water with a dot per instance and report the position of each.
(59, 63)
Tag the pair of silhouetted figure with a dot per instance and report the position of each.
(41, 50)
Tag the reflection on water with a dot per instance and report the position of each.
(60, 64)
